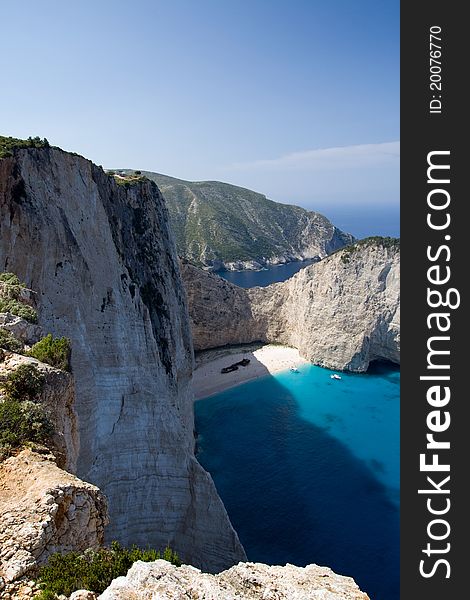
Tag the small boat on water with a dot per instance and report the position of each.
(335, 376)
(294, 370)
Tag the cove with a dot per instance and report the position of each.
(248, 279)
(308, 469)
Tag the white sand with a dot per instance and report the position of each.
(264, 360)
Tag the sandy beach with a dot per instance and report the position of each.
(264, 360)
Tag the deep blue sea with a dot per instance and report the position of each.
(308, 469)
(248, 279)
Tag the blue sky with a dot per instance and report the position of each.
(297, 99)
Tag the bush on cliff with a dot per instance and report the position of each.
(9, 342)
(8, 144)
(22, 421)
(384, 242)
(53, 351)
(93, 570)
(24, 383)
(10, 298)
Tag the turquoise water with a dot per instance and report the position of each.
(308, 468)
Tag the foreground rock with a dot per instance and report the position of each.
(245, 581)
(341, 313)
(43, 510)
(103, 262)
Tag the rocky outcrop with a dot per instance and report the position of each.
(245, 581)
(102, 259)
(43, 510)
(28, 333)
(57, 398)
(219, 226)
(341, 313)
(221, 313)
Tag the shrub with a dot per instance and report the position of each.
(20, 310)
(20, 423)
(93, 570)
(9, 144)
(10, 298)
(21, 419)
(11, 286)
(24, 383)
(9, 342)
(53, 351)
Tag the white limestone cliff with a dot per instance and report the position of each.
(341, 313)
(102, 259)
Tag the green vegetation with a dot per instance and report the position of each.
(93, 570)
(9, 342)
(20, 310)
(11, 283)
(53, 351)
(10, 298)
(9, 144)
(22, 421)
(126, 179)
(384, 242)
(24, 383)
(377, 240)
(217, 222)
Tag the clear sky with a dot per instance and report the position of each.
(298, 99)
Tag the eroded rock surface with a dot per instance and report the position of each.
(44, 509)
(245, 581)
(28, 333)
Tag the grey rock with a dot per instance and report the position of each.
(245, 581)
(102, 259)
(28, 333)
(83, 595)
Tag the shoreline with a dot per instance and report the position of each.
(265, 359)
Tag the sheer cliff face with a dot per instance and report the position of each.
(104, 263)
(340, 313)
